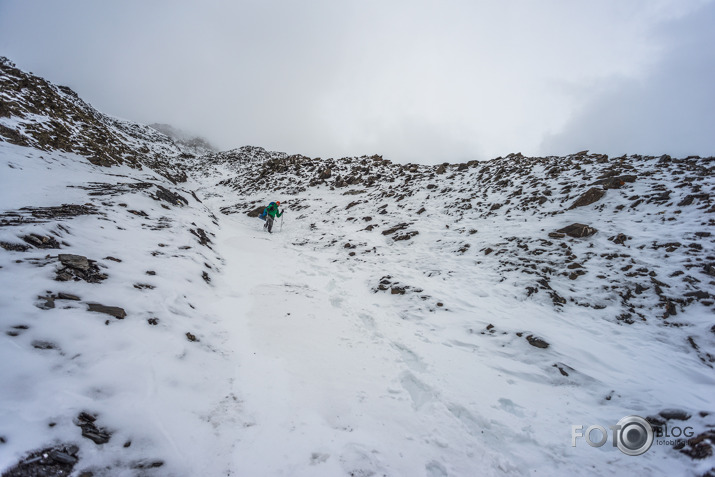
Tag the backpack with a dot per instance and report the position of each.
(265, 211)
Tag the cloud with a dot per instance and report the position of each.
(418, 80)
(669, 109)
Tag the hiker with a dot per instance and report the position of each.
(271, 213)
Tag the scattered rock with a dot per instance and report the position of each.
(394, 229)
(619, 239)
(674, 414)
(537, 342)
(78, 267)
(78, 262)
(41, 241)
(164, 194)
(202, 236)
(90, 430)
(14, 247)
(67, 296)
(405, 236)
(592, 195)
(143, 286)
(191, 337)
(577, 230)
(58, 461)
(44, 345)
(29, 215)
(46, 302)
(114, 311)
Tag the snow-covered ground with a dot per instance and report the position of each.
(257, 354)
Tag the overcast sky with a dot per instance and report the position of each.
(415, 81)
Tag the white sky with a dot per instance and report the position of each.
(413, 80)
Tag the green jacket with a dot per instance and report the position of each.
(273, 211)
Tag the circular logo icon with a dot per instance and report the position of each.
(635, 435)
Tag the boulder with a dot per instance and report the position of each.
(577, 230)
(78, 262)
(592, 195)
(114, 311)
(537, 342)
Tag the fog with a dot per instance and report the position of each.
(414, 81)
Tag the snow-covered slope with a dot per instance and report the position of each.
(402, 320)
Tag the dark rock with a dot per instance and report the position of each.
(114, 259)
(202, 236)
(67, 296)
(78, 262)
(256, 211)
(151, 272)
(114, 311)
(191, 337)
(47, 302)
(394, 229)
(562, 369)
(699, 294)
(398, 290)
(153, 321)
(537, 342)
(619, 239)
(143, 286)
(405, 236)
(688, 200)
(13, 247)
(589, 197)
(709, 269)
(45, 345)
(577, 230)
(670, 309)
(675, 414)
(58, 461)
(30, 215)
(701, 450)
(62, 457)
(616, 182)
(164, 194)
(557, 299)
(90, 430)
(41, 241)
